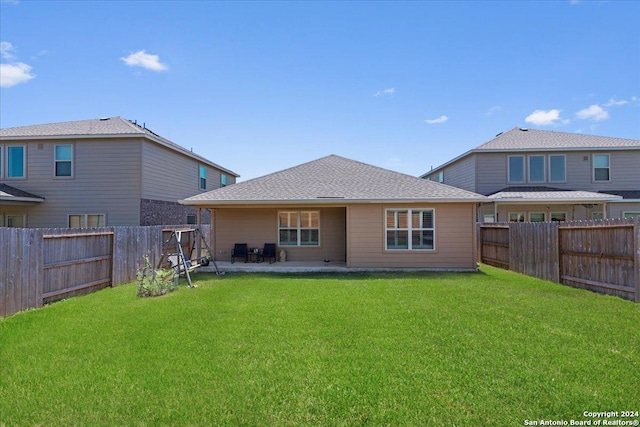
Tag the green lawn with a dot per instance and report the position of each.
(477, 349)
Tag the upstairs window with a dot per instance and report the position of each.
(223, 180)
(203, 178)
(441, 176)
(516, 169)
(15, 161)
(63, 160)
(557, 168)
(601, 167)
(536, 168)
(410, 229)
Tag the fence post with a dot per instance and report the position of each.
(636, 257)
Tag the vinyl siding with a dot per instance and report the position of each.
(257, 226)
(574, 212)
(461, 174)
(106, 181)
(171, 176)
(454, 238)
(491, 172)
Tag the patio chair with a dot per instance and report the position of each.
(240, 251)
(269, 251)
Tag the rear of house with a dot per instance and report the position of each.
(339, 209)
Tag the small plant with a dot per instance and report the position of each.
(153, 283)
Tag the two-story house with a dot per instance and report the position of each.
(101, 172)
(536, 175)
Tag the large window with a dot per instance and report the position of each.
(536, 168)
(516, 216)
(86, 221)
(557, 168)
(536, 216)
(601, 167)
(516, 169)
(63, 159)
(410, 229)
(203, 177)
(299, 228)
(16, 161)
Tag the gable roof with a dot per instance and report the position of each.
(107, 127)
(334, 179)
(550, 195)
(12, 194)
(530, 140)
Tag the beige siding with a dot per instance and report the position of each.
(170, 176)
(257, 226)
(106, 181)
(462, 174)
(454, 238)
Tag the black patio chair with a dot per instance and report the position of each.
(269, 251)
(240, 251)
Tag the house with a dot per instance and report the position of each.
(102, 172)
(342, 210)
(536, 175)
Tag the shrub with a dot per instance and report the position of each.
(153, 283)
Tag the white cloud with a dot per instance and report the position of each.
(390, 91)
(542, 118)
(13, 74)
(440, 119)
(594, 112)
(5, 50)
(615, 103)
(144, 60)
(493, 110)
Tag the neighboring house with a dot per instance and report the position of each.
(342, 210)
(535, 175)
(101, 172)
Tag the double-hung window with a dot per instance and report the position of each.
(299, 228)
(203, 177)
(557, 168)
(410, 229)
(601, 167)
(516, 168)
(16, 161)
(63, 160)
(536, 168)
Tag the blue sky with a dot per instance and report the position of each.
(260, 86)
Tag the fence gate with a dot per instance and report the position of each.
(76, 263)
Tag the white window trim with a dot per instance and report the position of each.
(593, 167)
(5, 158)
(524, 168)
(73, 163)
(409, 230)
(565, 166)
(85, 219)
(519, 215)
(299, 228)
(529, 169)
(544, 216)
(557, 212)
(4, 219)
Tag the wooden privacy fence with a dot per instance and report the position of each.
(603, 256)
(41, 265)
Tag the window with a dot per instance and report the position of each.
(516, 216)
(632, 214)
(203, 178)
(191, 219)
(536, 168)
(558, 216)
(597, 215)
(557, 168)
(441, 176)
(410, 229)
(223, 180)
(601, 167)
(516, 169)
(1, 149)
(63, 160)
(299, 228)
(86, 221)
(15, 161)
(17, 221)
(488, 218)
(536, 216)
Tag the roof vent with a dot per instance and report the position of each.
(523, 129)
(104, 118)
(499, 134)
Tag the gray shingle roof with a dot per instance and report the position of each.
(98, 128)
(533, 139)
(11, 193)
(333, 179)
(626, 194)
(548, 194)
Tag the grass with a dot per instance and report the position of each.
(492, 348)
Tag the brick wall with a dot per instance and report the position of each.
(159, 212)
